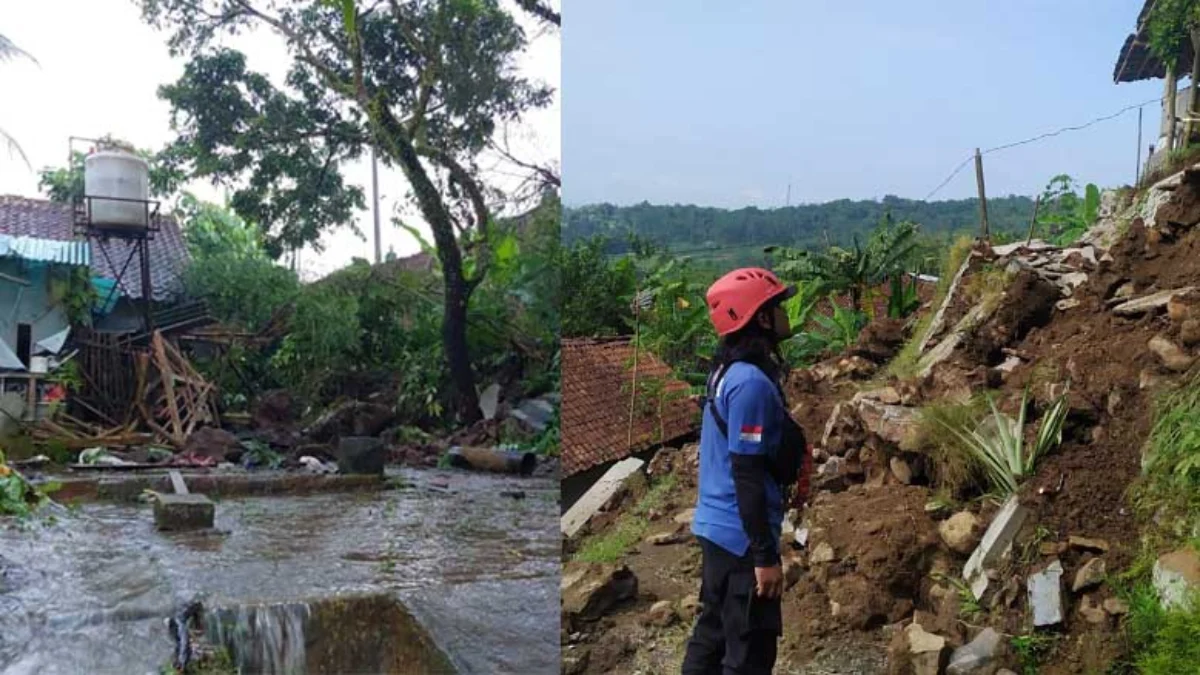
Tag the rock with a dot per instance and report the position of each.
(975, 655)
(1073, 280)
(996, 541)
(1189, 332)
(352, 418)
(1085, 544)
(822, 553)
(892, 423)
(1005, 671)
(1171, 356)
(1045, 595)
(575, 662)
(1089, 576)
(213, 442)
(1176, 574)
(1182, 306)
(661, 614)
(1149, 303)
(959, 532)
(589, 594)
(685, 517)
(1091, 610)
(801, 537)
(177, 512)
(926, 650)
(273, 409)
(1116, 607)
(901, 470)
(1010, 364)
(361, 455)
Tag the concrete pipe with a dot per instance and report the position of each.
(491, 459)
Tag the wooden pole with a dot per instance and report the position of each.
(1193, 91)
(1172, 83)
(983, 217)
(1033, 221)
(1137, 169)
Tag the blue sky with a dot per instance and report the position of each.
(718, 103)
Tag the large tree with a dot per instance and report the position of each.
(425, 82)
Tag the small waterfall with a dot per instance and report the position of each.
(266, 638)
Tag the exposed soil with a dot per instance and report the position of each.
(886, 548)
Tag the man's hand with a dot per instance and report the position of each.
(768, 581)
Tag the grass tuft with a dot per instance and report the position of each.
(612, 545)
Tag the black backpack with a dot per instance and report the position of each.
(790, 464)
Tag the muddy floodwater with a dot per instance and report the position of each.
(448, 574)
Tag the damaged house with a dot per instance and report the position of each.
(46, 271)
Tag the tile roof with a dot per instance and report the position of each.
(597, 377)
(24, 217)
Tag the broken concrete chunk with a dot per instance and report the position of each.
(596, 590)
(1171, 356)
(901, 470)
(1045, 596)
(361, 455)
(997, 541)
(661, 614)
(886, 395)
(1073, 280)
(685, 517)
(1176, 575)
(177, 512)
(1089, 576)
(598, 495)
(1010, 364)
(976, 654)
(1067, 303)
(1149, 303)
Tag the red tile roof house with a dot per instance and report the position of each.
(598, 402)
(37, 236)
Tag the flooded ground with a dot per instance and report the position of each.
(477, 568)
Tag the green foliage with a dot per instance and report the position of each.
(905, 363)
(953, 468)
(998, 445)
(71, 289)
(628, 531)
(903, 299)
(1168, 28)
(17, 496)
(857, 270)
(676, 327)
(324, 339)
(742, 233)
(259, 454)
(1170, 482)
(1031, 650)
(827, 335)
(1062, 214)
(230, 269)
(596, 292)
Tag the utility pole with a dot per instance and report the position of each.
(985, 233)
(1137, 169)
(375, 191)
(788, 201)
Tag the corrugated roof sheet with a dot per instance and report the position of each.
(596, 386)
(76, 252)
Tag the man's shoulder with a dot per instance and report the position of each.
(747, 375)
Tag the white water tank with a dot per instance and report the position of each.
(115, 173)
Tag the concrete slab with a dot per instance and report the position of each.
(596, 496)
(996, 542)
(1176, 576)
(1045, 596)
(183, 512)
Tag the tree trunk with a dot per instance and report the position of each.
(457, 288)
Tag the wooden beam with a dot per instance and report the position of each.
(1172, 85)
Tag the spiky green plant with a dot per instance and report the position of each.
(998, 444)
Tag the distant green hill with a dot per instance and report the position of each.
(736, 234)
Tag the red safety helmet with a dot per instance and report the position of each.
(736, 297)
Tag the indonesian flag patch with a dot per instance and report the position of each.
(751, 434)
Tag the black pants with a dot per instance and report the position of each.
(737, 633)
